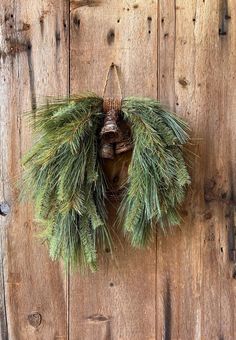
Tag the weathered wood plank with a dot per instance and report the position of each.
(196, 282)
(122, 293)
(33, 63)
(227, 48)
(183, 288)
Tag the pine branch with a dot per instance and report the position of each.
(63, 175)
(158, 175)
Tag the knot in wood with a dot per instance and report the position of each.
(97, 318)
(35, 319)
(4, 209)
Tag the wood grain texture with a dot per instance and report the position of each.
(183, 286)
(33, 63)
(196, 279)
(118, 302)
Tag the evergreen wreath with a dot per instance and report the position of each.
(63, 175)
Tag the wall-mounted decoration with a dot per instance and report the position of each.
(64, 176)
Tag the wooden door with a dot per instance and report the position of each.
(182, 52)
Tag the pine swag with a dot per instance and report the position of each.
(64, 177)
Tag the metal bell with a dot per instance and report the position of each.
(110, 130)
(123, 146)
(124, 142)
(107, 150)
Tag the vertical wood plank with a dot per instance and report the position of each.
(227, 231)
(185, 288)
(33, 64)
(195, 289)
(118, 302)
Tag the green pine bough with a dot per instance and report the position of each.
(64, 177)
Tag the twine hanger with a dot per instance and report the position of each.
(115, 139)
(112, 99)
(112, 95)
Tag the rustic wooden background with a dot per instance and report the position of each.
(182, 52)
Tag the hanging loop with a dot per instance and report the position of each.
(112, 96)
(111, 105)
(111, 135)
